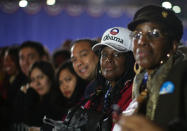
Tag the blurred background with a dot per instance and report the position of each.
(53, 22)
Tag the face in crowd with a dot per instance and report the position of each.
(27, 56)
(84, 60)
(151, 45)
(156, 34)
(40, 82)
(112, 64)
(9, 65)
(67, 82)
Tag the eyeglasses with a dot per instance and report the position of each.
(151, 35)
(115, 55)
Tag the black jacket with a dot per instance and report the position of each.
(172, 105)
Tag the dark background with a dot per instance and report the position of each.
(69, 19)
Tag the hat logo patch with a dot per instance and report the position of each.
(114, 31)
(164, 14)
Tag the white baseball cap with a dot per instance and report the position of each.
(117, 38)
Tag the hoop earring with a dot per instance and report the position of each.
(137, 68)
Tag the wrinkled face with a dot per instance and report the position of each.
(84, 60)
(9, 65)
(39, 82)
(67, 83)
(112, 64)
(150, 45)
(27, 56)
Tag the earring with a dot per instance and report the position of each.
(167, 57)
(100, 71)
(137, 68)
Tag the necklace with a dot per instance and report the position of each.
(143, 89)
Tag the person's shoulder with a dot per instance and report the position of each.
(176, 78)
(182, 49)
(179, 68)
(172, 92)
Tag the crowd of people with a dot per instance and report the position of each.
(133, 79)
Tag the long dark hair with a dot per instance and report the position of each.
(46, 68)
(129, 64)
(80, 85)
(13, 53)
(127, 75)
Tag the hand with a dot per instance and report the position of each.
(34, 129)
(137, 123)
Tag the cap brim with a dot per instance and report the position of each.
(99, 45)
